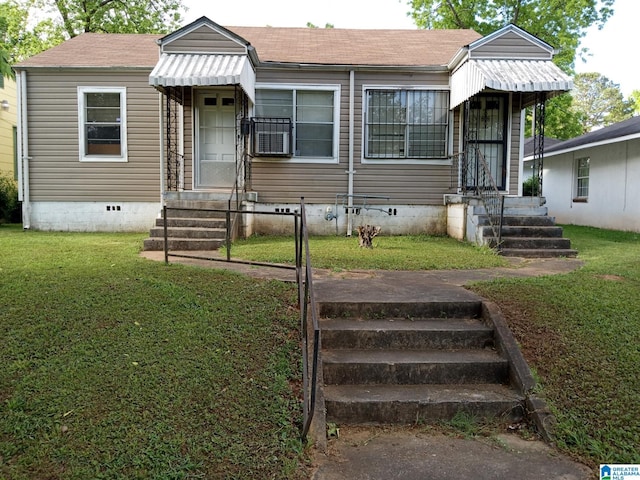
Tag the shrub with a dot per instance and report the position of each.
(531, 187)
(9, 205)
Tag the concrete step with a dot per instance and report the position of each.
(192, 213)
(526, 231)
(527, 211)
(157, 244)
(539, 253)
(531, 243)
(522, 220)
(410, 404)
(410, 367)
(197, 204)
(192, 222)
(189, 232)
(524, 201)
(405, 334)
(454, 308)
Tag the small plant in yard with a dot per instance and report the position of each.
(8, 198)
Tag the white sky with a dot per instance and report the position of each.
(611, 48)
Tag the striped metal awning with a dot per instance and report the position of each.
(507, 76)
(181, 69)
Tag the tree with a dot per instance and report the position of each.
(560, 23)
(114, 16)
(598, 101)
(634, 98)
(21, 38)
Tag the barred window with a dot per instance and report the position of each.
(406, 124)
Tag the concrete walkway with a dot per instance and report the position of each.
(413, 453)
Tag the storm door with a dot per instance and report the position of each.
(485, 135)
(215, 156)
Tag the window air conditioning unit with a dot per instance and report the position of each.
(272, 137)
(272, 143)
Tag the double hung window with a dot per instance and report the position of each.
(406, 124)
(313, 113)
(102, 123)
(582, 179)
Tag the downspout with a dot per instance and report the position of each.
(162, 149)
(23, 150)
(351, 171)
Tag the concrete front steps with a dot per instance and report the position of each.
(423, 363)
(527, 230)
(190, 226)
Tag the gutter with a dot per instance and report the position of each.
(23, 149)
(351, 171)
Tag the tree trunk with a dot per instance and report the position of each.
(366, 234)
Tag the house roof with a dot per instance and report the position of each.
(99, 50)
(273, 45)
(334, 46)
(529, 145)
(618, 132)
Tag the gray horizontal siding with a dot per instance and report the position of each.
(204, 40)
(56, 173)
(510, 46)
(280, 182)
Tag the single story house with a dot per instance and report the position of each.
(592, 179)
(369, 126)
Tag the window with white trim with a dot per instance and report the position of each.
(102, 124)
(582, 179)
(314, 115)
(406, 124)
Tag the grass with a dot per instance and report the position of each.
(117, 367)
(581, 333)
(411, 252)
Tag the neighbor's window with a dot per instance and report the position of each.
(582, 178)
(102, 123)
(313, 112)
(406, 124)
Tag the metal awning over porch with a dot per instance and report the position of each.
(181, 69)
(507, 76)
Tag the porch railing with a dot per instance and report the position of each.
(489, 194)
(474, 176)
(308, 318)
(309, 324)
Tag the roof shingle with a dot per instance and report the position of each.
(276, 45)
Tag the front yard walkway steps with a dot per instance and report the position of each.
(422, 362)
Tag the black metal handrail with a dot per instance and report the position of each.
(492, 200)
(307, 306)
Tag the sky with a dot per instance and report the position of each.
(609, 47)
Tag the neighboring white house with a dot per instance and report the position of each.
(593, 179)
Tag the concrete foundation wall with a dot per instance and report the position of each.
(94, 216)
(404, 219)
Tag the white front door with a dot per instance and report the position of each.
(215, 158)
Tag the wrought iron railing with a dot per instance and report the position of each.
(309, 324)
(308, 318)
(489, 194)
(472, 174)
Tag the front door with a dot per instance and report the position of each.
(215, 156)
(486, 135)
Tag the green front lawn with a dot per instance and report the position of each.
(117, 367)
(581, 334)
